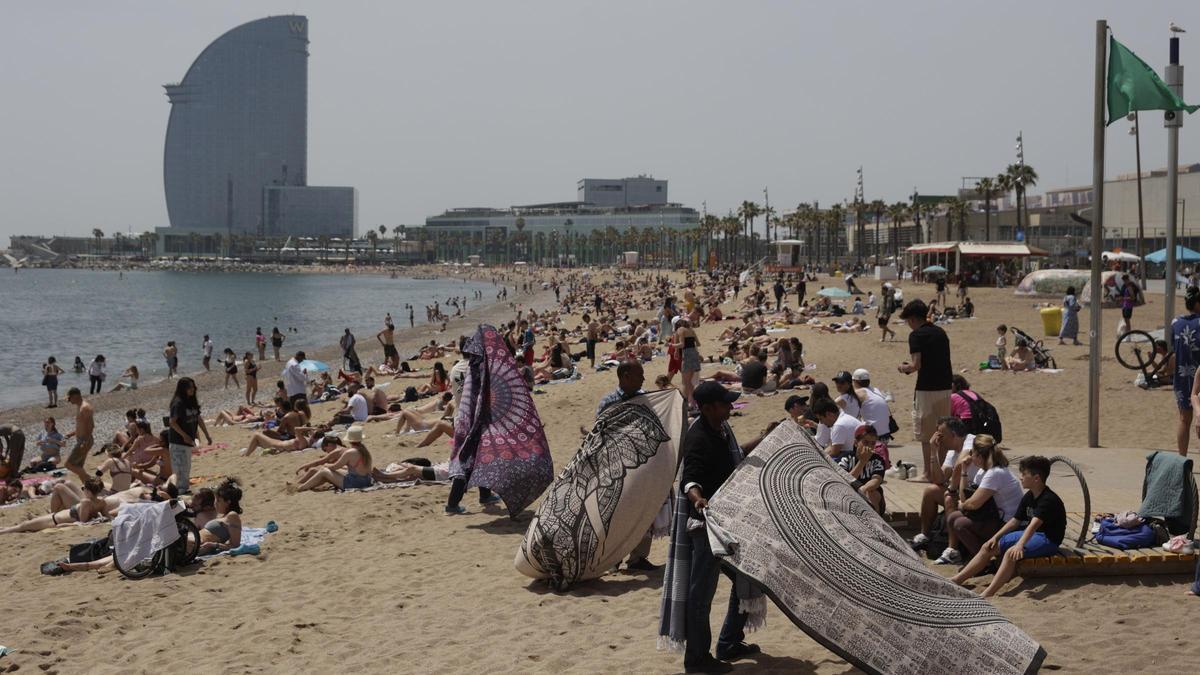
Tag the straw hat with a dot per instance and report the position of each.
(353, 435)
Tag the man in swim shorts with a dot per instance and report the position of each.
(85, 425)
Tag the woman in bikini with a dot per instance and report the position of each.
(91, 506)
(302, 439)
(231, 368)
(225, 531)
(203, 506)
(251, 369)
(120, 470)
(412, 419)
(357, 462)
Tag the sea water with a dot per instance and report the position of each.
(129, 317)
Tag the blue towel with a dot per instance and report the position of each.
(1166, 492)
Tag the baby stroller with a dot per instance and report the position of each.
(1041, 355)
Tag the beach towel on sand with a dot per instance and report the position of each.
(607, 496)
(498, 438)
(803, 534)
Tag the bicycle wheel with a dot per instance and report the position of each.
(142, 569)
(187, 547)
(1135, 350)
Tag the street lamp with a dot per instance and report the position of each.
(1137, 144)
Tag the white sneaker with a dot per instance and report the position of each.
(913, 472)
(919, 540)
(950, 556)
(894, 473)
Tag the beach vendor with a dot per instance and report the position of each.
(710, 455)
(630, 377)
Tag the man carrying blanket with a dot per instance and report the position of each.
(710, 454)
(630, 377)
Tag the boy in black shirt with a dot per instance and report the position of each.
(1044, 519)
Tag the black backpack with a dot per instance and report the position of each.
(984, 418)
(90, 550)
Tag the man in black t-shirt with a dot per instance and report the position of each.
(1036, 531)
(930, 350)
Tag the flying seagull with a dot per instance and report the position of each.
(1177, 29)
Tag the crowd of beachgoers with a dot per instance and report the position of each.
(608, 324)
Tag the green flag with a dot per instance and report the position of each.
(1133, 85)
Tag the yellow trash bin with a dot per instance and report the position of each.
(1051, 321)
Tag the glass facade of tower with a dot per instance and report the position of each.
(238, 124)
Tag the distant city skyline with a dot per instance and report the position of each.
(430, 107)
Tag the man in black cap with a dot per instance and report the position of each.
(710, 454)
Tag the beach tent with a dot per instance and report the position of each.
(1182, 254)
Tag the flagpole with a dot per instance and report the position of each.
(1172, 120)
(1097, 237)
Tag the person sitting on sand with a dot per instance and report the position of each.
(224, 532)
(130, 373)
(357, 463)
(91, 506)
(147, 465)
(119, 470)
(1035, 530)
(1022, 357)
(50, 443)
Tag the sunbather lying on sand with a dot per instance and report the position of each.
(92, 506)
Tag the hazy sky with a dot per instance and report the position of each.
(431, 105)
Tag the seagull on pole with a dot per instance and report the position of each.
(1177, 29)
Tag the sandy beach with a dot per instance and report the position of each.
(381, 581)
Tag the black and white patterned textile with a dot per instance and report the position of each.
(846, 578)
(606, 497)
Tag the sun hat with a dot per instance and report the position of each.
(354, 435)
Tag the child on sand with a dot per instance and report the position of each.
(1002, 345)
(1044, 519)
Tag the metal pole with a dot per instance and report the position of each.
(1172, 120)
(1141, 245)
(1097, 238)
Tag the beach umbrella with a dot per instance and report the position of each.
(310, 365)
(934, 268)
(834, 292)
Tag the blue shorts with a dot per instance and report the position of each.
(354, 481)
(1038, 545)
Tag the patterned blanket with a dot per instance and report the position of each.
(606, 498)
(848, 580)
(498, 438)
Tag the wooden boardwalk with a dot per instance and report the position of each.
(1089, 559)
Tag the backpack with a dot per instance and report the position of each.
(984, 418)
(90, 550)
(1114, 535)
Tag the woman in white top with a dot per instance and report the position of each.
(989, 504)
(864, 404)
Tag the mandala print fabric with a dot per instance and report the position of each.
(605, 499)
(498, 436)
(849, 580)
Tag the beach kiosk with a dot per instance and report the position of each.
(787, 255)
(629, 259)
(473, 261)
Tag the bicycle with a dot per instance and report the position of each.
(1136, 350)
(180, 553)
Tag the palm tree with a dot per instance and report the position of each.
(956, 210)
(878, 207)
(748, 211)
(373, 239)
(898, 212)
(98, 234)
(768, 214)
(834, 218)
(986, 187)
(1023, 177)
